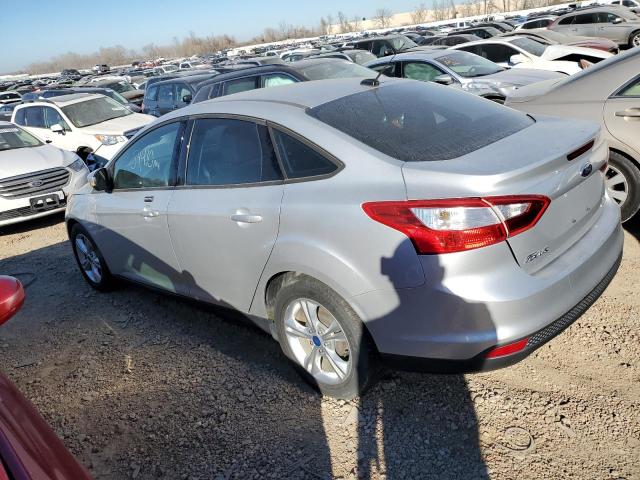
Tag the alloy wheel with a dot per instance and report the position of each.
(617, 185)
(88, 258)
(317, 341)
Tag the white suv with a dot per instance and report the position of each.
(82, 123)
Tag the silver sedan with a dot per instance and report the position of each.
(358, 221)
(467, 71)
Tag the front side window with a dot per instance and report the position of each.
(165, 93)
(239, 85)
(151, 93)
(567, 20)
(13, 137)
(424, 72)
(94, 111)
(497, 52)
(147, 162)
(276, 79)
(584, 19)
(606, 17)
(300, 160)
(230, 152)
(183, 91)
(418, 121)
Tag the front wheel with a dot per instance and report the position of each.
(622, 180)
(90, 261)
(324, 337)
(634, 40)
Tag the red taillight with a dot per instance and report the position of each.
(508, 349)
(459, 224)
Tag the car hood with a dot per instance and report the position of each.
(535, 90)
(22, 161)
(554, 52)
(521, 76)
(118, 126)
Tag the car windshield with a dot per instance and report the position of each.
(402, 43)
(530, 45)
(420, 121)
(361, 57)
(468, 65)
(12, 137)
(94, 111)
(116, 96)
(335, 69)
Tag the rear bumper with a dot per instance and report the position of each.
(476, 300)
(536, 340)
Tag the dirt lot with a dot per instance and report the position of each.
(139, 385)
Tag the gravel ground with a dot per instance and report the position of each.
(140, 385)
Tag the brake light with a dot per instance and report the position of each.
(459, 224)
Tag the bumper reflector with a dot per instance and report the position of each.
(508, 349)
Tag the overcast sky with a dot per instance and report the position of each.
(37, 30)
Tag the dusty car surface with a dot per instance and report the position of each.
(356, 220)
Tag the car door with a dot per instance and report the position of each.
(166, 98)
(230, 207)
(564, 25)
(584, 25)
(182, 91)
(133, 233)
(622, 114)
(67, 139)
(604, 27)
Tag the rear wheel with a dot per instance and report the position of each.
(634, 40)
(90, 261)
(324, 337)
(623, 184)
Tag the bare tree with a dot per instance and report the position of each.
(382, 17)
(439, 9)
(323, 26)
(343, 23)
(356, 23)
(420, 14)
(330, 22)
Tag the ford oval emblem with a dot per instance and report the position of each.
(587, 168)
(36, 183)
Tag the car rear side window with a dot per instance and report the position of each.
(239, 85)
(299, 159)
(418, 121)
(230, 152)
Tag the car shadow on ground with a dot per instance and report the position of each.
(144, 385)
(633, 227)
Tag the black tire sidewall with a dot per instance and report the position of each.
(632, 176)
(361, 348)
(106, 282)
(633, 35)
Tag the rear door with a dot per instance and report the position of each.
(241, 85)
(584, 25)
(565, 25)
(230, 207)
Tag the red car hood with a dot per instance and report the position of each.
(29, 449)
(597, 43)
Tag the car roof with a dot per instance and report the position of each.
(382, 37)
(188, 79)
(64, 100)
(417, 55)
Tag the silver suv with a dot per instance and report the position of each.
(355, 221)
(615, 23)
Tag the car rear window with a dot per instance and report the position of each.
(417, 121)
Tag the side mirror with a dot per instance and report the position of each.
(57, 128)
(444, 79)
(187, 98)
(100, 180)
(11, 297)
(516, 59)
(617, 20)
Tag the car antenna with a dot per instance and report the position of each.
(375, 82)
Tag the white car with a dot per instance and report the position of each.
(537, 22)
(191, 64)
(163, 69)
(82, 123)
(524, 52)
(36, 179)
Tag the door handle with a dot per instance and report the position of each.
(240, 218)
(629, 113)
(148, 199)
(48, 141)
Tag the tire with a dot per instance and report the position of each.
(623, 184)
(90, 261)
(634, 40)
(298, 342)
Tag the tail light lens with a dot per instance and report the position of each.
(459, 224)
